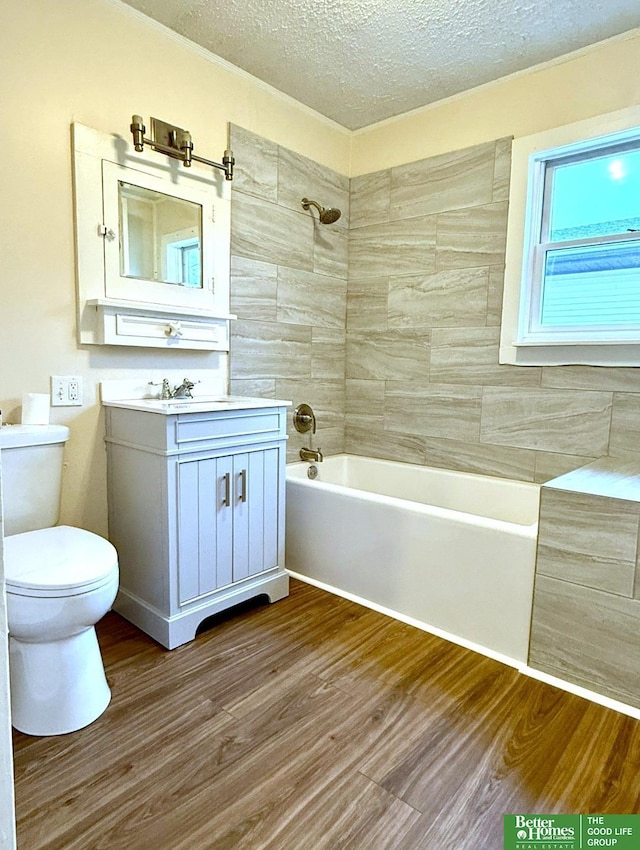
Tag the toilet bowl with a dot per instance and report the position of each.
(59, 582)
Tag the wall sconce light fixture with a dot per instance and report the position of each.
(175, 142)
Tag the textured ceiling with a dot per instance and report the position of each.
(360, 61)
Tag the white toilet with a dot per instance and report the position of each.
(60, 581)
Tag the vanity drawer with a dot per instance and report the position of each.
(170, 432)
(232, 427)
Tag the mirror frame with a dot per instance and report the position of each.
(119, 286)
(110, 305)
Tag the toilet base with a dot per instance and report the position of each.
(57, 687)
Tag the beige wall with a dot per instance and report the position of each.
(96, 63)
(589, 82)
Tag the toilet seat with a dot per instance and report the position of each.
(58, 562)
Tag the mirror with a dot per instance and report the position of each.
(152, 249)
(160, 237)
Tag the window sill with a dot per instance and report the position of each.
(604, 354)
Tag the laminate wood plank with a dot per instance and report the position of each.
(598, 768)
(276, 769)
(492, 764)
(458, 734)
(80, 813)
(351, 811)
(253, 794)
(316, 724)
(199, 783)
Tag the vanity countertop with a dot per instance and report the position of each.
(202, 404)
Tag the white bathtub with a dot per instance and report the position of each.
(451, 552)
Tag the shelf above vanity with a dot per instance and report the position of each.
(131, 323)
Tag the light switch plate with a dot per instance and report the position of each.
(66, 391)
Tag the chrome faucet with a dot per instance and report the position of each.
(184, 390)
(181, 391)
(314, 455)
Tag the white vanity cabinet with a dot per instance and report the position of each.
(196, 509)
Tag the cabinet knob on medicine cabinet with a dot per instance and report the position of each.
(174, 330)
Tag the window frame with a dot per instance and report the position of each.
(519, 344)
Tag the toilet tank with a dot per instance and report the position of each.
(31, 458)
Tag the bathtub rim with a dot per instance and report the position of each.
(420, 508)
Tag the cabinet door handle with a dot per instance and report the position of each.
(226, 502)
(243, 482)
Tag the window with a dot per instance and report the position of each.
(572, 290)
(582, 272)
(182, 261)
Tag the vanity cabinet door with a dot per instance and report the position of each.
(227, 520)
(255, 514)
(205, 526)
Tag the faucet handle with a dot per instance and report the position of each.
(304, 419)
(165, 391)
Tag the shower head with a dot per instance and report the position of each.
(326, 215)
(329, 215)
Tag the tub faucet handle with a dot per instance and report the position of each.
(304, 419)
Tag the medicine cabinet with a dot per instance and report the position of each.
(152, 247)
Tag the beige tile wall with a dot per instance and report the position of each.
(403, 363)
(424, 384)
(586, 608)
(289, 285)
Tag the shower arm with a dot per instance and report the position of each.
(306, 203)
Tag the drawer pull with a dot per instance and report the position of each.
(243, 482)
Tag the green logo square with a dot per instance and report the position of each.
(571, 832)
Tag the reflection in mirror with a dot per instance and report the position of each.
(160, 237)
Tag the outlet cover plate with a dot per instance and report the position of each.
(66, 391)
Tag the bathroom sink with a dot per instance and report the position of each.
(194, 400)
(200, 400)
(197, 404)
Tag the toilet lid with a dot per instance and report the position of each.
(56, 560)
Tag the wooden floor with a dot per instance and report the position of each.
(315, 723)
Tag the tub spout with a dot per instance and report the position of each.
(314, 455)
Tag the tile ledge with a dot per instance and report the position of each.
(611, 477)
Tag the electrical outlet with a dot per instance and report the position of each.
(66, 391)
(74, 392)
